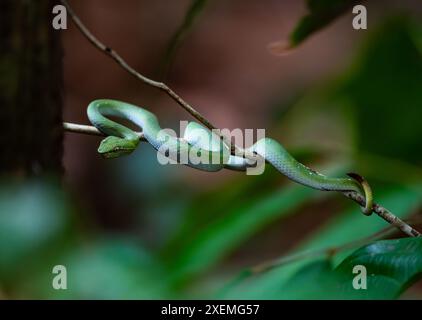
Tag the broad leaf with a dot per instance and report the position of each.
(388, 268)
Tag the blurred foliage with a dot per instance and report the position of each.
(107, 268)
(385, 87)
(36, 234)
(370, 96)
(194, 11)
(350, 225)
(370, 113)
(378, 102)
(346, 227)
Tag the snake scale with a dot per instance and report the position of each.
(122, 140)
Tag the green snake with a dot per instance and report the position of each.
(122, 140)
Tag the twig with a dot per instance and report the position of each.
(381, 211)
(384, 214)
(81, 128)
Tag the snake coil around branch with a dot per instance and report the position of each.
(122, 141)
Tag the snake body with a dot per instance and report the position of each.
(122, 140)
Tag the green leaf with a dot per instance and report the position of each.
(321, 13)
(391, 267)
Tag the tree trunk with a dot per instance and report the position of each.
(30, 89)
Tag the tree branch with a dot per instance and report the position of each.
(379, 210)
(330, 251)
(90, 130)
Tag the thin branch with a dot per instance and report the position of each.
(381, 211)
(84, 129)
(385, 214)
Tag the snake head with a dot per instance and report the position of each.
(114, 147)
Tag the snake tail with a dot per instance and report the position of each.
(369, 202)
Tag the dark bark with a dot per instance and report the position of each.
(30, 89)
